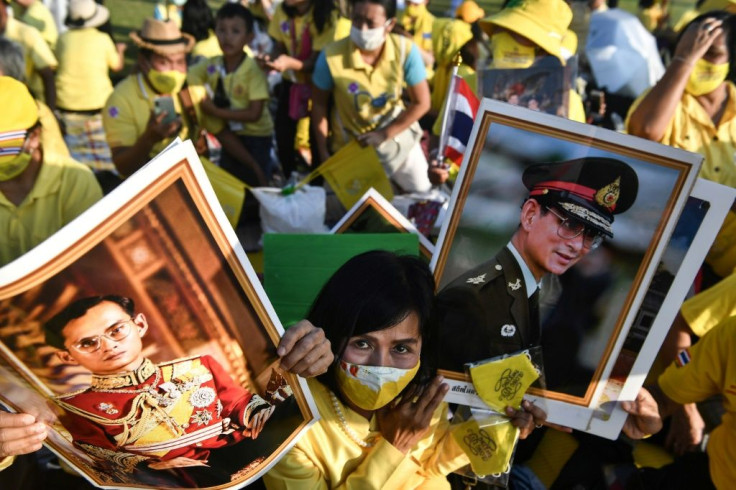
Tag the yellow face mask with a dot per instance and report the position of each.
(372, 387)
(166, 82)
(507, 53)
(706, 77)
(15, 166)
(503, 383)
(488, 443)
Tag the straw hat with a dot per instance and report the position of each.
(544, 22)
(20, 112)
(86, 13)
(469, 11)
(162, 37)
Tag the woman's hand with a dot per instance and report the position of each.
(372, 138)
(405, 421)
(20, 434)
(697, 39)
(527, 419)
(304, 350)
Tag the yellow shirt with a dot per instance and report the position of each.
(127, 111)
(693, 130)
(82, 80)
(356, 84)
(38, 55)
(39, 16)
(280, 29)
(711, 371)
(63, 189)
(246, 84)
(206, 48)
(52, 141)
(325, 457)
(420, 25)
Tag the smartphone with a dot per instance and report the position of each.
(165, 103)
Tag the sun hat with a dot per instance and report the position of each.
(544, 22)
(469, 11)
(85, 13)
(162, 37)
(20, 112)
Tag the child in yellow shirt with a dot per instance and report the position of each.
(238, 87)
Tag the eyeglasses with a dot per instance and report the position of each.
(115, 332)
(571, 228)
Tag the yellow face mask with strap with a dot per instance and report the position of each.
(706, 77)
(508, 53)
(503, 383)
(489, 443)
(372, 387)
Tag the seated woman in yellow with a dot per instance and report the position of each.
(383, 423)
(365, 74)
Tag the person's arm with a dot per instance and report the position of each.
(128, 159)
(652, 116)
(319, 122)
(49, 86)
(285, 62)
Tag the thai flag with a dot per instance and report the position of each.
(463, 106)
(683, 358)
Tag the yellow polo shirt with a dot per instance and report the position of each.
(246, 84)
(711, 371)
(63, 189)
(39, 16)
(206, 48)
(708, 308)
(51, 139)
(280, 29)
(82, 80)
(366, 97)
(693, 130)
(325, 457)
(38, 54)
(126, 113)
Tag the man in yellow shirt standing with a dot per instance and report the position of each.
(40, 61)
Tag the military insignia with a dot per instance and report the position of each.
(508, 330)
(477, 279)
(201, 417)
(608, 196)
(108, 408)
(203, 397)
(515, 286)
(498, 267)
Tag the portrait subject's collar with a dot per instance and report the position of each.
(530, 282)
(123, 380)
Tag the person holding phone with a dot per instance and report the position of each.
(146, 111)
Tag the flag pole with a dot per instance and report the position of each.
(449, 100)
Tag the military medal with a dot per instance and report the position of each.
(108, 408)
(203, 397)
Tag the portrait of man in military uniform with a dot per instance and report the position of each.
(171, 415)
(493, 308)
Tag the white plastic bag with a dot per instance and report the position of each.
(303, 211)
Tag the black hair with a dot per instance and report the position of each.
(197, 19)
(375, 291)
(233, 10)
(388, 5)
(321, 12)
(53, 328)
(728, 29)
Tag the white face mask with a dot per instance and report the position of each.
(369, 39)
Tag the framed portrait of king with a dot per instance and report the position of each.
(553, 236)
(140, 334)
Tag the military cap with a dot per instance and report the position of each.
(591, 189)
